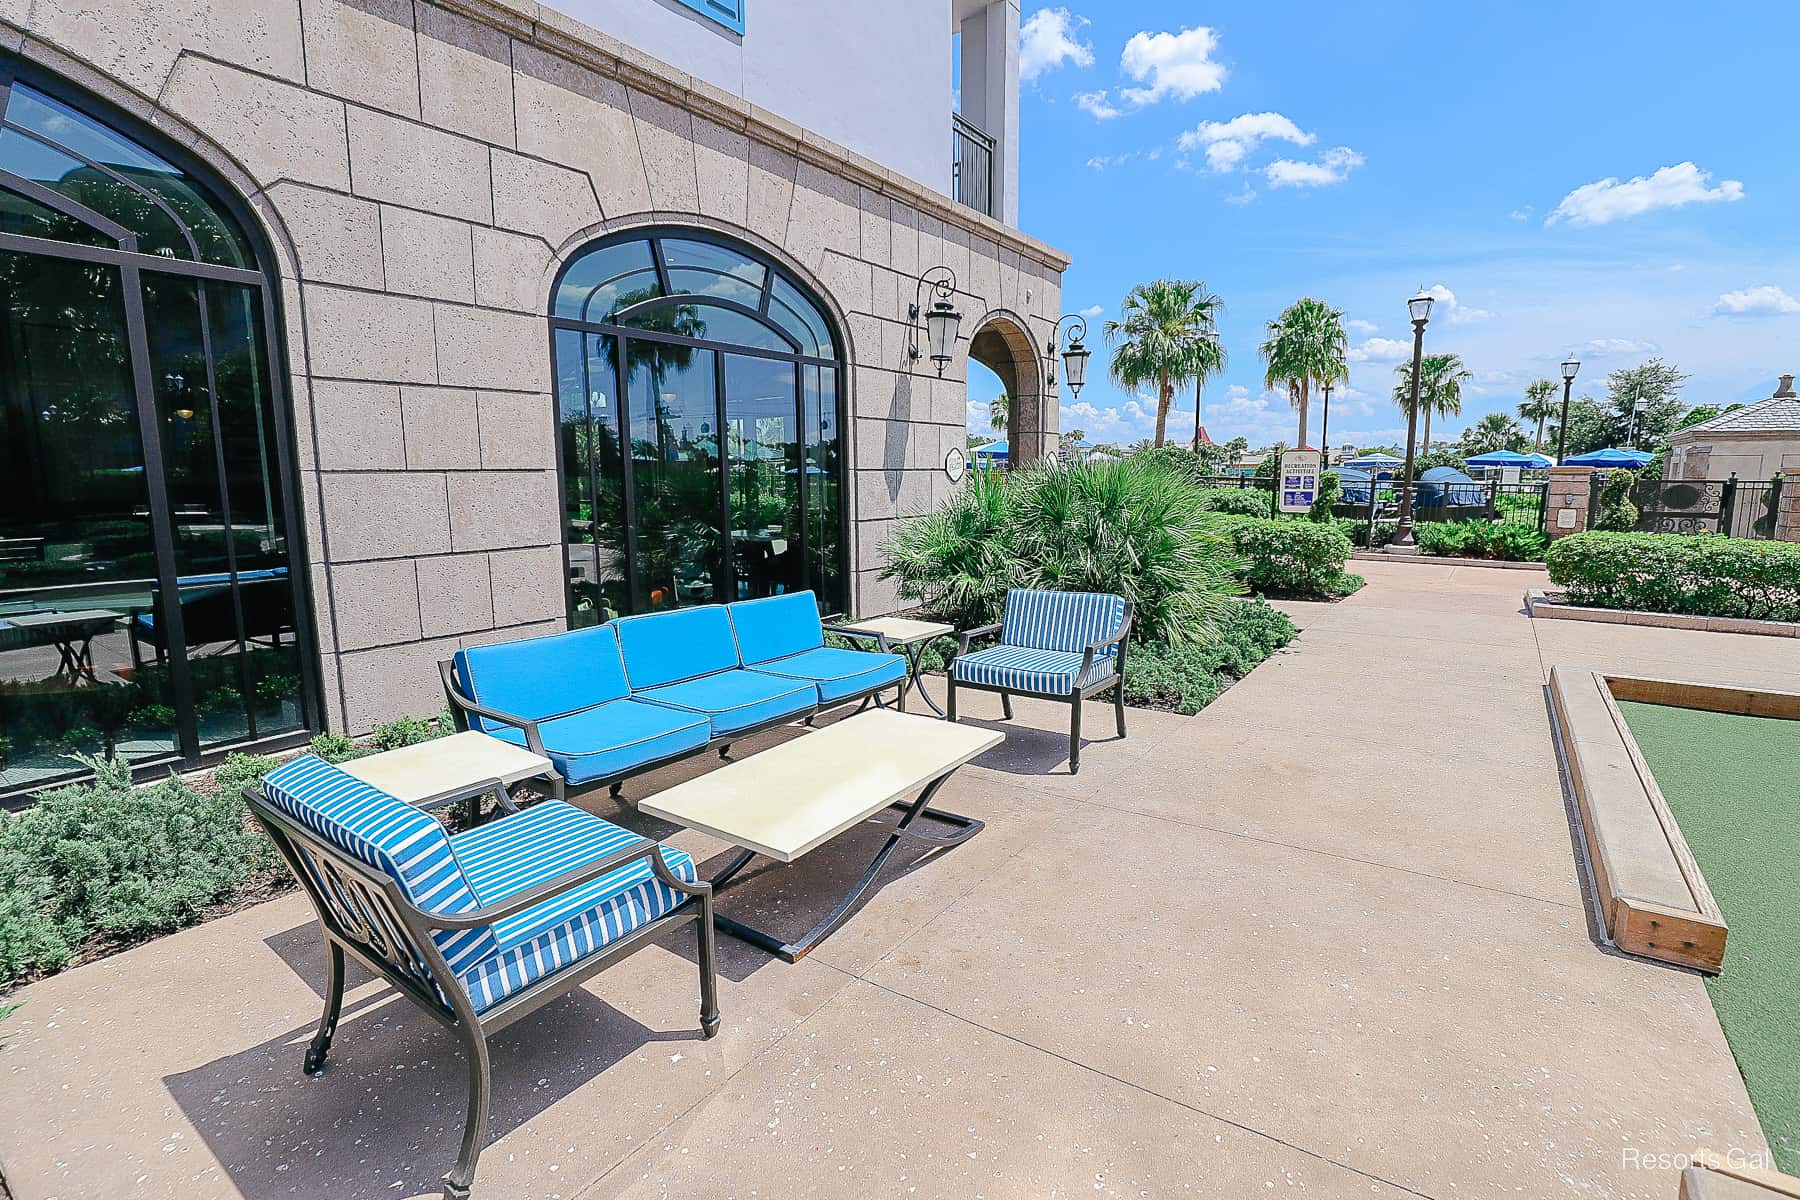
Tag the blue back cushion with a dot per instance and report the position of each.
(543, 677)
(668, 647)
(776, 627)
(384, 833)
(1060, 620)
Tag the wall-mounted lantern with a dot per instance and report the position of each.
(1074, 355)
(941, 319)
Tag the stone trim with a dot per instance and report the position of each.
(558, 34)
(1539, 604)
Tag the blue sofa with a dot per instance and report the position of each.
(616, 700)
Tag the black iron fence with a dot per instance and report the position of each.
(1376, 504)
(971, 165)
(1741, 508)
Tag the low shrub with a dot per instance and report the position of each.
(1188, 678)
(408, 731)
(107, 857)
(334, 747)
(1702, 575)
(1331, 490)
(1357, 530)
(1300, 558)
(1238, 502)
(1481, 539)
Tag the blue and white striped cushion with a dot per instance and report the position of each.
(505, 857)
(386, 834)
(1060, 620)
(1023, 669)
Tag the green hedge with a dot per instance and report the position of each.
(1481, 539)
(1702, 575)
(1294, 557)
(1240, 502)
(1188, 678)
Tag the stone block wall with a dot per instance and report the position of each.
(1787, 512)
(422, 171)
(1571, 490)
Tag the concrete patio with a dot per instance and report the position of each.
(1328, 935)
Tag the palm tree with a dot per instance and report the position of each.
(1441, 377)
(1306, 345)
(1161, 341)
(1495, 431)
(997, 413)
(1537, 407)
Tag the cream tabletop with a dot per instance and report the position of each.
(447, 764)
(903, 631)
(791, 798)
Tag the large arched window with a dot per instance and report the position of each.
(698, 399)
(149, 585)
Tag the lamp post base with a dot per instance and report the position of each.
(1393, 548)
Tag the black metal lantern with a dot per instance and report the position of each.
(941, 320)
(1074, 354)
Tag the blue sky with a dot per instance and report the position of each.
(1616, 179)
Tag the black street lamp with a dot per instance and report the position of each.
(1420, 309)
(1570, 366)
(1325, 432)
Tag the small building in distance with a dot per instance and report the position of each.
(1752, 442)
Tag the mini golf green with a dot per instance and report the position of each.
(1733, 784)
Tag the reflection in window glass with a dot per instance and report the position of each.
(824, 472)
(31, 219)
(712, 323)
(588, 408)
(763, 450)
(798, 315)
(592, 287)
(675, 473)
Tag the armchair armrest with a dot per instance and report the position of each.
(568, 881)
(1117, 639)
(880, 639)
(965, 636)
(534, 740)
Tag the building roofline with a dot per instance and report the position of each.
(557, 33)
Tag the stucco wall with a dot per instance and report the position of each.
(422, 173)
(1748, 457)
(871, 75)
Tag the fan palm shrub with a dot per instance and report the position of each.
(955, 560)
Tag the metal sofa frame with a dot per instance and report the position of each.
(362, 912)
(1072, 698)
(462, 706)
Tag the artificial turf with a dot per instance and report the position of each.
(1733, 784)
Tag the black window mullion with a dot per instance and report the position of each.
(804, 476)
(293, 544)
(621, 349)
(662, 267)
(162, 523)
(725, 579)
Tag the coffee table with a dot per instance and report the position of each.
(910, 637)
(793, 798)
(428, 774)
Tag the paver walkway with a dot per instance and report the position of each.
(1327, 936)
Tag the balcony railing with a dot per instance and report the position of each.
(971, 165)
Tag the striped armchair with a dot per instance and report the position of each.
(479, 928)
(1063, 646)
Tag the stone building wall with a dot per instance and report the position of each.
(422, 172)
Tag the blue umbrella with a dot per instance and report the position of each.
(1615, 457)
(993, 450)
(1504, 458)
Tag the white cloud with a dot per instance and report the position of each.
(1357, 325)
(1101, 162)
(1097, 106)
(1381, 350)
(1669, 187)
(1458, 313)
(1171, 64)
(1604, 346)
(1521, 214)
(1092, 311)
(1048, 39)
(1241, 198)
(1226, 143)
(1764, 301)
(1334, 166)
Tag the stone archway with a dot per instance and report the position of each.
(1002, 345)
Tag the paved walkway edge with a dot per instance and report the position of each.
(1539, 605)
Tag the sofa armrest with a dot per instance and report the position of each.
(880, 639)
(534, 740)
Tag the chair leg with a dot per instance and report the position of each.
(616, 787)
(1119, 707)
(950, 706)
(1075, 734)
(1006, 704)
(334, 1003)
(709, 986)
(460, 1180)
(725, 750)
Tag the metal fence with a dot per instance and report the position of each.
(1489, 500)
(1740, 508)
(971, 165)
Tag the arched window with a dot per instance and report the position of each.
(149, 585)
(698, 397)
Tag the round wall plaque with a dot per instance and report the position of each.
(956, 464)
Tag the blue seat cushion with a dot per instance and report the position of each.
(614, 738)
(669, 647)
(542, 677)
(507, 856)
(1060, 620)
(1023, 669)
(386, 834)
(737, 700)
(838, 673)
(776, 627)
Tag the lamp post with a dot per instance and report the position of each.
(1325, 431)
(1570, 366)
(1212, 337)
(1419, 307)
(1637, 410)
